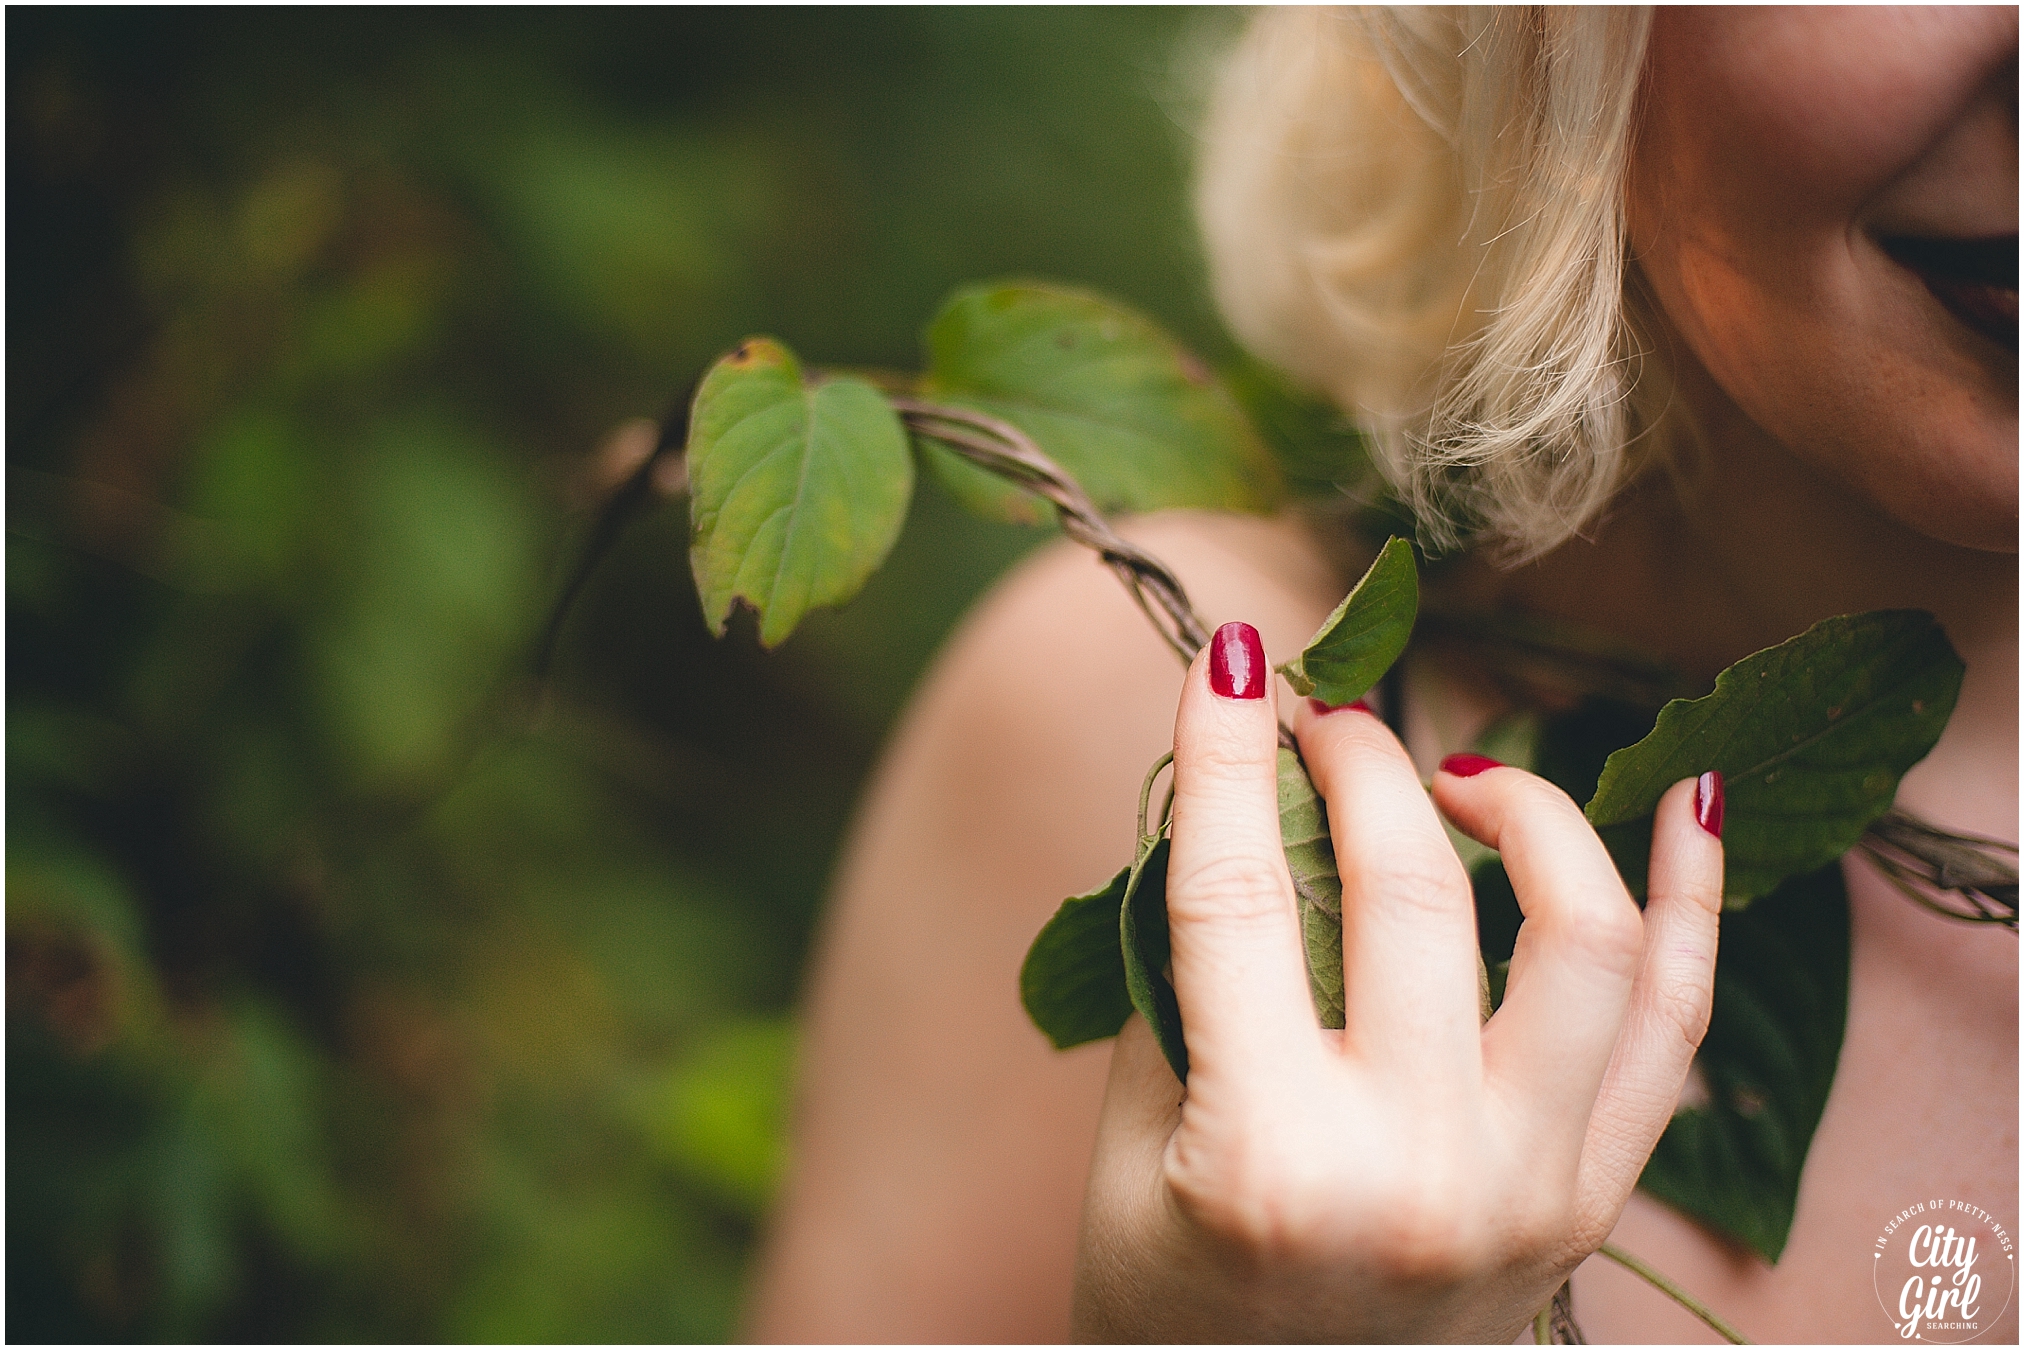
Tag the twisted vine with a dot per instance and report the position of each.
(996, 445)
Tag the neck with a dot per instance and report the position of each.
(1742, 544)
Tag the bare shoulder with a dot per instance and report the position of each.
(1058, 656)
(940, 1141)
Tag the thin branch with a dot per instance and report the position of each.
(1146, 796)
(995, 444)
(998, 447)
(663, 473)
(1639, 1268)
(1560, 1317)
(1961, 876)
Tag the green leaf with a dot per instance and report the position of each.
(1142, 931)
(1072, 982)
(1139, 422)
(1317, 889)
(1781, 1002)
(797, 488)
(1811, 737)
(1368, 630)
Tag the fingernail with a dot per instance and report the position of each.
(1468, 766)
(1708, 802)
(1237, 662)
(1323, 709)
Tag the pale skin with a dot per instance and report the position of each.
(1859, 453)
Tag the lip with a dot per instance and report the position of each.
(1975, 279)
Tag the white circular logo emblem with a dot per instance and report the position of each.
(1944, 1271)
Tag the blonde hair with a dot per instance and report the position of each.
(1420, 212)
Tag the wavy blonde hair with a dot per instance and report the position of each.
(1419, 211)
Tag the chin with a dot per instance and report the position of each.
(1994, 531)
(1965, 496)
(1908, 410)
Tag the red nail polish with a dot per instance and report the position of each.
(1708, 802)
(1322, 709)
(1237, 662)
(1468, 766)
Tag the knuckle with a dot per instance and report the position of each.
(1246, 1198)
(1407, 872)
(1538, 810)
(1220, 760)
(1542, 794)
(1334, 763)
(1697, 892)
(1427, 1232)
(1423, 1228)
(1607, 932)
(1682, 1007)
(1227, 886)
(1543, 819)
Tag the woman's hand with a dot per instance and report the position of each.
(1420, 1175)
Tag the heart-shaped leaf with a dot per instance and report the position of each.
(1072, 981)
(797, 489)
(1811, 737)
(1140, 423)
(1768, 1061)
(1360, 640)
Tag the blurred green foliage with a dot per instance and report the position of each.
(357, 989)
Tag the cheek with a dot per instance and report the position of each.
(1809, 112)
(1786, 341)
(1837, 357)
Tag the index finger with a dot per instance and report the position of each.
(1238, 969)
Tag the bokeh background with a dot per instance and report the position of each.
(357, 989)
